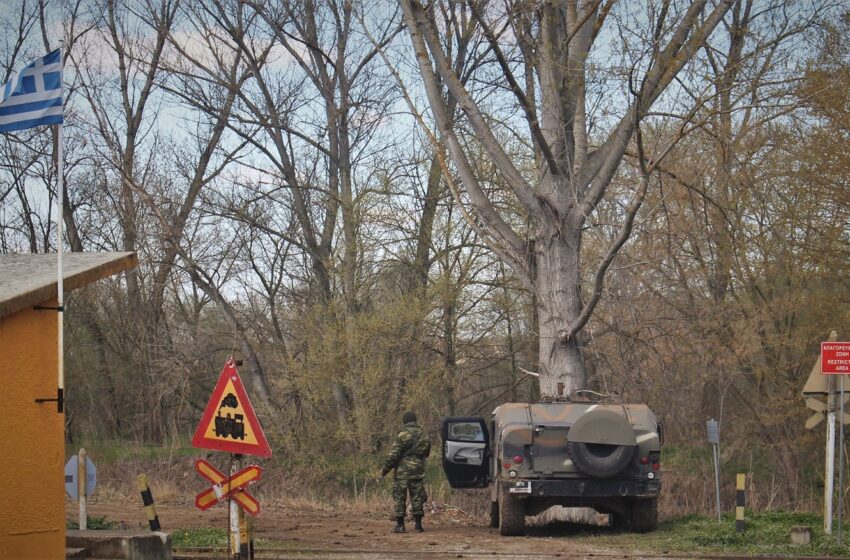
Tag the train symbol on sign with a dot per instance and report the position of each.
(228, 425)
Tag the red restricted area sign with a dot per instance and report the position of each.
(224, 486)
(835, 357)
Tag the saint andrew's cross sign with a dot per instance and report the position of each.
(834, 359)
(228, 487)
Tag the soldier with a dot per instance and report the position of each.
(407, 457)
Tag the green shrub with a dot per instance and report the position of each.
(96, 523)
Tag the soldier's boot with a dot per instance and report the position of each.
(399, 527)
(418, 526)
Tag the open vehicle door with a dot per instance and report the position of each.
(466, 451)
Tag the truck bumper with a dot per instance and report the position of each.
(582, 488)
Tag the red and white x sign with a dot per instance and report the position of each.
(223, 486)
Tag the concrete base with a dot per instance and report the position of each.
(127, 545)
(801, 535)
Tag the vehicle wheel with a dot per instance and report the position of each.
(494, 514)
(511, 514)
(645, 515)
(620, 518)
(600, 460)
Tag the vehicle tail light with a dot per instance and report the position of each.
(656, 466)
(507, 466)
(644, 460)
(518, 459)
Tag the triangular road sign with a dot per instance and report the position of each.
(229, 423)
(816, 384)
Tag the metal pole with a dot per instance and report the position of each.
(81, 487)
(828, 488)
(233, 514)
(841, 457)
(60, 289)
(229, 509)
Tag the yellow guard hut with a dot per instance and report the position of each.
(32, 519)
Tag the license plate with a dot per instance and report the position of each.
(520, 488)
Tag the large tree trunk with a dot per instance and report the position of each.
(558, 303)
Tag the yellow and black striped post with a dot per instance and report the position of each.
(246, 537)
(243, 536)
(147, 500)
(251, 537)
(740, 502)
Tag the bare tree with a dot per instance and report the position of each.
(553, 43)
(310, 109)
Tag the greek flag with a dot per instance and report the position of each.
(33, 96)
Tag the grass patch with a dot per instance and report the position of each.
(96, 523)
(202, 537)
(766, 533)
(114, 451)
(209, 537)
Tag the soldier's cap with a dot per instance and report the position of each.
(408, 416)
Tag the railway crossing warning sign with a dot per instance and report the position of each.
(229, 423)
(223, 487)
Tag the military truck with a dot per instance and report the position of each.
(575, 453)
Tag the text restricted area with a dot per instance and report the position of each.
(835, 357)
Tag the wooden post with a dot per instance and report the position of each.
(245, 549)
(740, 502)
(249, 521)
(147, 501)
(234, 527)
(716, 453)
(82, 480)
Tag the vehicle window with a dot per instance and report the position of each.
(466, 431)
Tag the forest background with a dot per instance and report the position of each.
(268, 163)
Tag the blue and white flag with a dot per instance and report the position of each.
(33, 96)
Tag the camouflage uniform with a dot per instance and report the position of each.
(407, 456)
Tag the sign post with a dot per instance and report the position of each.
(713, 429)
(80, 482)
(229, 424)
(830, 458)
(834, 360)
(233, 517)
(841, 459)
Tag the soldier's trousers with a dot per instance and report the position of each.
(416, 489)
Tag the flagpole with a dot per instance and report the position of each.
(60, 291)
(60, 187)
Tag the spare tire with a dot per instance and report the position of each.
(600, 460)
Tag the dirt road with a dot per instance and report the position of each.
(293, 533)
